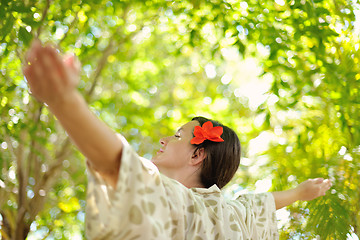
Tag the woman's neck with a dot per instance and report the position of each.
(189, 177)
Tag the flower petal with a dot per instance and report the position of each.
(217, 139)
(207, 132)
(207, 126)
(197, 140)
(216, 131)
(198, 131)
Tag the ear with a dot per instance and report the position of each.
(198, 157)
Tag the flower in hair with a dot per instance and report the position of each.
(207, 132)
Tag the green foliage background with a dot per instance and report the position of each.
(149, 66)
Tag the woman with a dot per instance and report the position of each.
(128, 197)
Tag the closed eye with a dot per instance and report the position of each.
(177, 134)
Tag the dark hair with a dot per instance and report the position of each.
(223, 158)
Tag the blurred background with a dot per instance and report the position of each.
(283, 74)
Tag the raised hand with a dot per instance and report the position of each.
(313, 188)
(305, 191)
(51, 77)
(53, 80)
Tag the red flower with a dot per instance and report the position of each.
(207, 132)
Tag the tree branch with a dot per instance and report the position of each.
(5, 227)
(4, 234)
(100, 65)
(45, 11)
(72, 24)
(37, 202)
(20, 224)
(10, 147)
(21, 202)
(110, 49)
(10, 221)
(32, 161)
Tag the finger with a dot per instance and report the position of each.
(58, 65)
(327, 183)
(325, 186)
(30, 55)
(72, 63)
(318, 180)
(77, 63)
(45, 72)
(69, 61)
(26, 72)
(41, 63)
(36, 42)
(31, 80)
(35, 64)
(50, 69)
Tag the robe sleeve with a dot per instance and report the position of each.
(135, 207)
(261, 216)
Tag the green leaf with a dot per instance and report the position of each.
(25, 36)
(8, 26)
(31, 22)
(20, 7)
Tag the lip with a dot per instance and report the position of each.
(160, 150)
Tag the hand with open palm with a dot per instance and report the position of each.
(51, 77)
(312, 188)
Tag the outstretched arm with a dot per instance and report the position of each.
(53, 80)
(305, 191)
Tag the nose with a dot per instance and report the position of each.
(163, 141)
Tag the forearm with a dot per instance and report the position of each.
(305, 191)
(53, 80)
(285, 198)
(93, 137)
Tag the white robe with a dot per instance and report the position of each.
(148, 205)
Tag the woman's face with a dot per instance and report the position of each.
(176, 151)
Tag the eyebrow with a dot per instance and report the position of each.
(180, 129)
